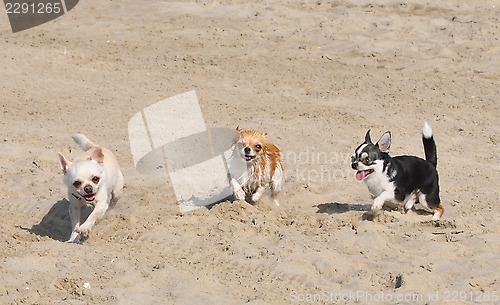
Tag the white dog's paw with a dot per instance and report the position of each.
(74, 238)
(84, 229)
(240, 194)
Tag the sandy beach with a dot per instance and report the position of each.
(314, 75)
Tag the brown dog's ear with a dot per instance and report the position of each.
(97, 155)
(63, 163)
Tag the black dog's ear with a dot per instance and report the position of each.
(368, 139)
(385, 142)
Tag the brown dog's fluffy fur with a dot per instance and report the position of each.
(255, 163)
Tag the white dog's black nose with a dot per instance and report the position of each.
(88, 189)
(248, 150)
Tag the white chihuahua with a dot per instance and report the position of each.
(93, 178)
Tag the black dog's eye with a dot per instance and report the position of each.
(77, 184)
(258, 147)
(367, 160)
(96, 179)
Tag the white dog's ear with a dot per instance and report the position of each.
(97, 155)
(384, 143)
(63, 163)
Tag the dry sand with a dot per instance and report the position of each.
(315, 75)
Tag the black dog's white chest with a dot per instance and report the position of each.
(382, 178)
(378, 182)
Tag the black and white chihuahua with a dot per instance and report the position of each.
(402, 179)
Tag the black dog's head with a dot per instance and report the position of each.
(368, 157)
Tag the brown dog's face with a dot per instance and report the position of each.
(251, 144)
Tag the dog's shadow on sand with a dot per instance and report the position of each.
(56, 224)
(339, 208)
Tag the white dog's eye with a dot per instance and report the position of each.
(77, 184)
(258, 147)
(96, 179)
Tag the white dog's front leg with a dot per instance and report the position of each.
(74, 216)
(238, 191)
(100, 209)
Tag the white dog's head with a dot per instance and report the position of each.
(84, 177)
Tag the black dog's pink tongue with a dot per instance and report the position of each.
(360, 175)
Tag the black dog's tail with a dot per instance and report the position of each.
(429, 144)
